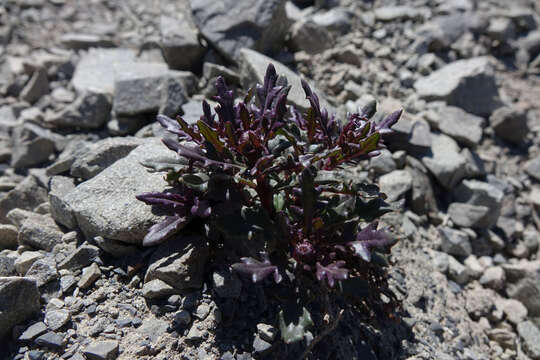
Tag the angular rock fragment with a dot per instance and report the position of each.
(20, 300)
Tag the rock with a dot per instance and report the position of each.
(182, 319)
(523, 284)
(530, 336)
(456, 271)
(89, 275)
(56, 319)
(501, 29)
(383, 163)
(174, 93)
(179, 40)
(91, 110)
(338, 19)
(266, 332)
(253, 70)
(514, 310)
(40, 232)
(32, 145)
(478, 193)
(532, 168)
(51, 340)
(227, 284)
(468, 84)
(309, 37)
(32, 332)
(43, 271)
(393, 13)
(529, 48)
(27, 258)
(157, 289)
(410, 135)
(134, 80)
(230, 25)
(474, 267)
(83, 256)
(102, 154)
(127, 125)
(455, 242)
(96, 70)
(494, 278)
(479, 302)
(102, 350)
(78, 41)
(446, 163)
(179, 262)
(7, 265)
(422, 197)
(20, 301)
(395, 184)
(106, 205)
(467, 215)
(503, 337)
(115, 248)
(36, 87)
(8, 236)
(260, 346)
(510, 124)
(73, 150)
(465, 128)
(59, 187)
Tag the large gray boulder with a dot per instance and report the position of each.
(27, 195)
(19, 300)
(106, 205)
(481, 194)
(468, 84)
(445, 161)
(230, 25)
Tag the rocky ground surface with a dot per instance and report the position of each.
(81, 82)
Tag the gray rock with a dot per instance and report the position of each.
(475, 269)
(445, 163)
(266, 332)
(106, 205)
(51, 340)
(393, 13)
(529, 48)
(514, 310)
(7, 265)
(253, 69)
(530, 336)
(422, 197)
(103, 154)
(25, 260)
(338, 19)
(501, 29)
(309, 37)
(410, 135)
(383, 163)
(523, 284)
(56, 319)
(462, 126)
(467, 215)
(96, 70)
(504, 337)
(157, 289)
(260, 346)
(134, 80)
(89, 111)
(83, 256)
(174, 94)
(73, 150)
(468, 84)
(227, 284)
(59, 187)
(456, 271)
(395, 184)
(43, 271)
(179, 262)
(231, 25)
(455, 242)
(182, 318)
(20, 300)
(40, 232)
(8, 236)
(180, 40)
(494, 278)
(479, 302)
(510, 124)
(89, 275)
(127, 125)
(79, 41)
(115, 248)
(532, 168)
(36, 87)
(102, 350)
(32, 145)
(32, 332)
(478, 193)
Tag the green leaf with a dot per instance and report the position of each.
(293, 332)
(279, 201)
(210, 135)
(370, 144)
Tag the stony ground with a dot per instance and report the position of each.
(81, 83)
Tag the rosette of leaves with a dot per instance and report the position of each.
(265, 179)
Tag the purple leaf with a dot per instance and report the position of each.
(368, 238)
(172, 201)
(385, 126)
(170, 125)
(332, 272)
(158, 233)
(258, 270)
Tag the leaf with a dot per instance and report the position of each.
(385, 126)
(210, 135)
(366, 239)
(258, 270)
(175, 202)
(332, 272)
(293, 332)
(309, 197)
(196, 181)
(170, 125)
(279, 201)
(158, 233)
